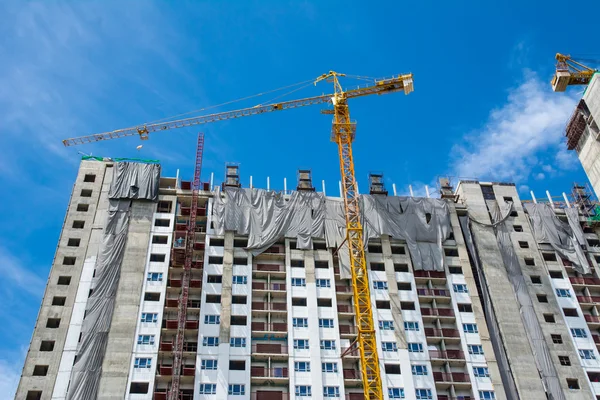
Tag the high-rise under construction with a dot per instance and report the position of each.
(475, 294)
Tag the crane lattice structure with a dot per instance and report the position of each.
(571, 72)
(342, 133)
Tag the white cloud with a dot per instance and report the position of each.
(523, 189)
(10, 372)
(566, 160)
(17, 275)
(517, 136)
(539, 176)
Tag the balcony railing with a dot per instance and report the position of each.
(344, 308)
(261, 306)
(433, 292)
(588, 299)
(441, 312)
(430, 274)
(351, 374)
(446, 397)
(343, 289)
(173, 324)
(592, 318)
(272, 327)
(268, 268)
(447, 354)
(348, 329)
(580, 280)
(596, 339)
(265, 286)
(444, 332)
(269, 395)
(269, 348)
(264, 372)
(457, 377)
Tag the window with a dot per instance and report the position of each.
(398, 250)
(299, 301)
(563, 292)
(401, 267)
(303, 391)
(154, 277)
(324, 303)
(423, 394)
(69, 261)
(573, 384)
(301, 344)
(40, 370)
(455, 270)
(389, 346)
(86, 193)
(593, 242)
(151, 296)
(323, 283)
(149, 317)
(329, 367)
(518, 228)
(34, 395)
(470, 328)
(299, 282)
(145, 339)
(404, 286)
(213, 298)
(556, 275)
(209, 364)
(215, 260)
(536, 280)
(475, 349)
(327, 344)
(460, 288)
(411, 326)
(587, 354)
(240, 261)
(58, 301)
(215, 242)
(386, 325)
(297, 263)
(406, 305)
(564, 360)
(240, 242)
(73, 242)
(47, 345)
(325, 323)
(392, 369)
(83, 207)
(331, 391)
(237, 365)
(142, 363)
(300, 322)
(377, 266)
(138, 387)
(164, 223)
(164, 206)
(238, 320)
(549, 256)
(237, 390)
(549, 318)
(212, 319)
(208, 388)
(486, 395)
(374, 248)
(523, 244)
(396, 393)
(380, 285)
(89, 178)
(214, 279)
(157, 257)
(451, 252)
(237, 342)
(302, 366)
(160, 239)
(419, 369)
(542, 298)
(321, 264)
(570, 312)
(78, 224)
(415, 347)
(210, 341)
(240, 279)
(53, 323)
(383, 305)
(319, 245)
(529, 261)
(481, 372)
(465, 308)
(64, 280)
(556, 339)
(578, 333)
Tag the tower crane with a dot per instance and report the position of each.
(570, 72)
(342, 133)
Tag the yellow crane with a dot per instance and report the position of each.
(342, 133)
(570, 72)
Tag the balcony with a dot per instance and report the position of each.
(173, 324)
(451, 378)
(189, 370)
(592, 319)
(588, 299)
(437, 312)
(269, 349)
(191, 347)
(430, 275)
(195, 283)
(446, 355)
(348, 330)
(442, 333)
(271, 287)
(344, 308)
(580, 280)
(344, 290)
(164, 370)
(174, 282)
(261, 374)
(160, 394)
(596, 339)
(351, 374)
(274, 307)
(268, 268)
(166, 346)
(272, 327)
(433, 292)
(269, 395)
(446, 397)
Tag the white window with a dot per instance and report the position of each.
(301, 344)
(237, 342)
(145, 339)
(327, 344)
(460, 288)
(578, 332)
(240, 279)
(208, 388)
(149, 317)
(303, 391)
(323, 283)
(386, 325)
(419, 369)
(142, 363)
(325, 323)
(423, 394)
(331, 391)
(470, 328)
(329, 367)
(389, 346)
(300, 322)
(210, 341)
(486, 395)
(415, 347)
(396, 393)
(209, 364)
(298, 282)
(587, 354)
(411, 326)
(302, 366)
(380, 285)
(475, 349)
(154, 277)
(481, 372)
(212, 319)
(563, 292)
(237, 390)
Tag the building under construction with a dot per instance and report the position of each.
(163, 288)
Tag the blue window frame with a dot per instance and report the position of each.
(475, 349)
(301, 344)
(240, 279)
(327, 344)
(470, 328)
(419, 369)
(303, 391)
(460, 288)
(154, 277)
(209, 364)
(210, 341)
(423, 394)
(142, 363)
(237, 390)
(481, 372)
(396, 393)
(237, 342)
(149, 317)
(299, 282)
(386, 325)
(331, 391)
(411, 326)
(578, 333)
(145, 339)
(300, 322)
(208, 388)
(302, 366)
(212, 319)
(389, 346)
(325, 283)
(325, 323)
(415, 347)
(329, 367)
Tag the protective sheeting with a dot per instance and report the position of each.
(135, 181)
(538, 344)
(565, 238)
(87, 370)
(266, 217)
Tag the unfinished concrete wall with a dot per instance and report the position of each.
(589, 145)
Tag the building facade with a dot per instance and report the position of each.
(490, 323)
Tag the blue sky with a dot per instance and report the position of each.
(482, 105)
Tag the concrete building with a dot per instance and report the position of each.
(279, 323)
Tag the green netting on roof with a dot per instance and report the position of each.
(120, 159)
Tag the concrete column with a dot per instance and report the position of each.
(225, 326)
(313, 322)
(393, 290)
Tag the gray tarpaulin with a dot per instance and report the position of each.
(85, 377)
(266, 217)
(565, 238)
(538, 344)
